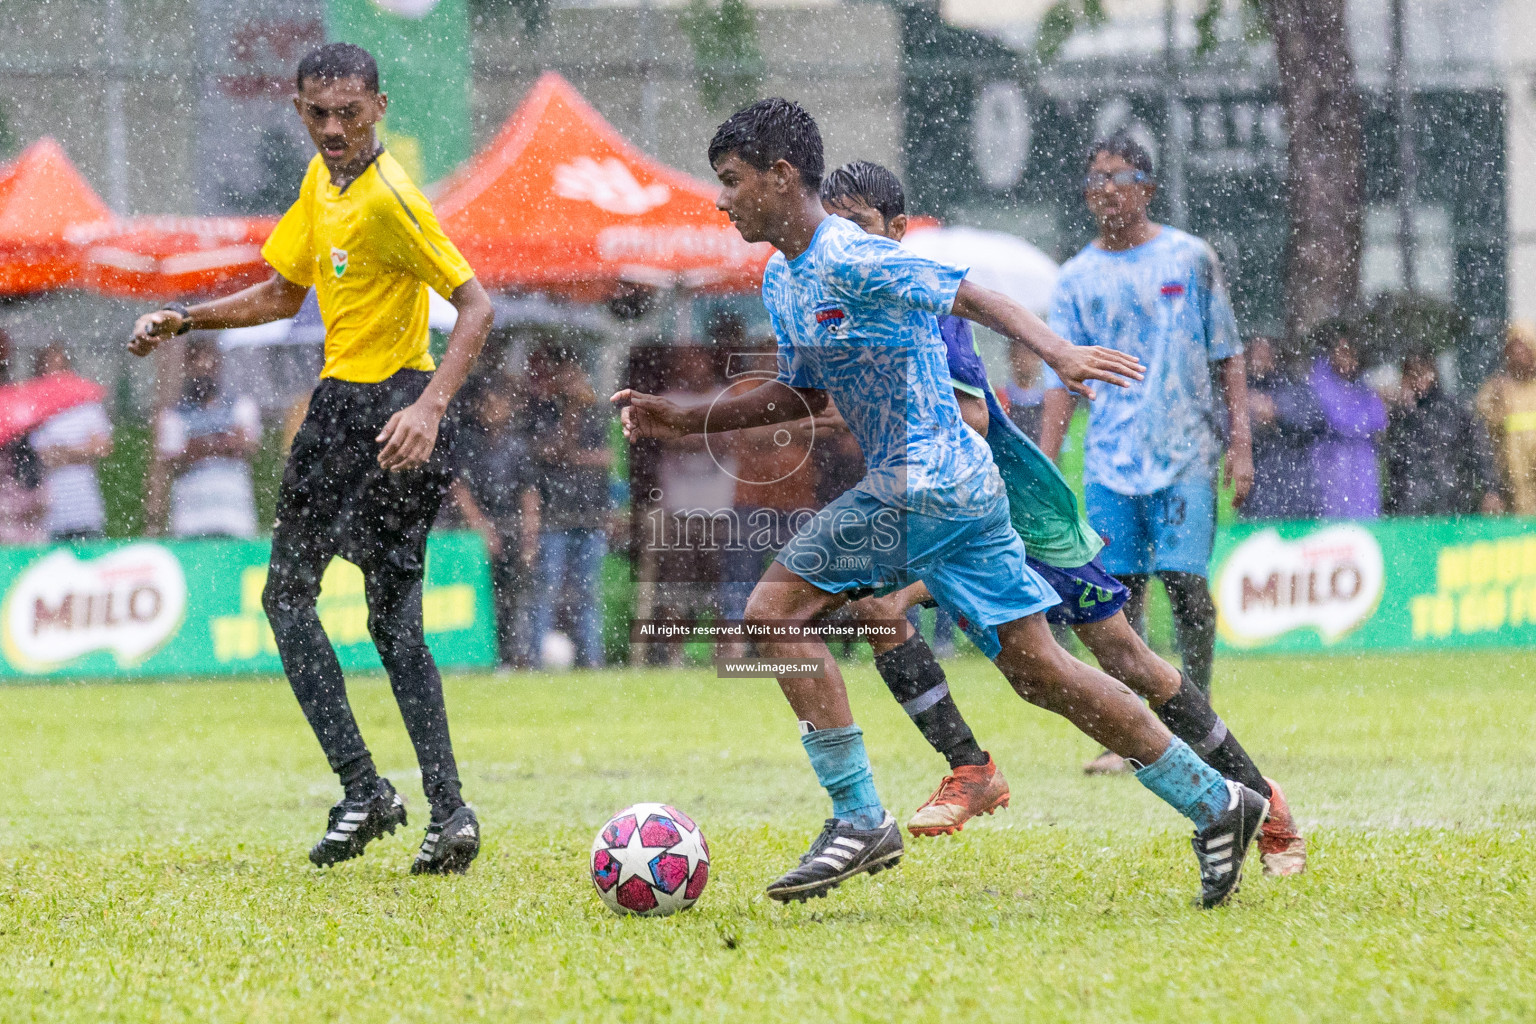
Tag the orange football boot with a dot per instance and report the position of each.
(969, 790)
(1282, 848)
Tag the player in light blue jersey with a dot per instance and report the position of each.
(1151, 456)
(1063, 549)
(856, 318)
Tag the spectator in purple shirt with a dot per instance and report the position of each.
(1344, 463)
(1286, 418)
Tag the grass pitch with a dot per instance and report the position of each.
(152, 866)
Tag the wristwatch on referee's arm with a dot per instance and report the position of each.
(180, 309)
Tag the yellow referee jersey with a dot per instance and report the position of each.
(371, 251)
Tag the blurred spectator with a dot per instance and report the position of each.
(495, 491)
(1022, 395)
(568, 432)
(204, 445)
(21, 477)
(1285, 418)
(774, 482)
(697, 479)
(1438, 458)
(835, 455)
(1344, 467)
(69, 445)
(1507, 403)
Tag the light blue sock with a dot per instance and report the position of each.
(842, 768)
(1188, 784)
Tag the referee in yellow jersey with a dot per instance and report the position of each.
(370, 465)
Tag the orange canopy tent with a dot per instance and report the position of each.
(561, 202)
(171, 257)
(42, 196)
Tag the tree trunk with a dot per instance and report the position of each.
(1325, 159)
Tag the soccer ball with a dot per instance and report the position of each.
(650, 859)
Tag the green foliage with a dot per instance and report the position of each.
(726, 54)
(121, 476)
(1061, 20)
(1255, 23)
(152, 860)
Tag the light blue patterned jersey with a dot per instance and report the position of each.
(856, 316)
(1165, 303)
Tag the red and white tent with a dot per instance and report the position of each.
(561, 202)
(171, 257)
(42, 196)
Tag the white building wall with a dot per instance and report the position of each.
(1518, 39)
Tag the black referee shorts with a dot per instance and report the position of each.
(337, 500)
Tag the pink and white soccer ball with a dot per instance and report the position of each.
(650, 859)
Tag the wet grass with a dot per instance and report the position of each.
(152, 863)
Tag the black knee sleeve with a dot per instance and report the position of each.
(1189, 716)
(917, 681)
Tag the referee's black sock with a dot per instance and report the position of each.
(359, 777)
(394, 621)
(917, 681)
(1189, 716)
(1194, 621)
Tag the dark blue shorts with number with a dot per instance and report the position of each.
(1088, 593)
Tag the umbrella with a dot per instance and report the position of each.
(996, 260)
(28, 404)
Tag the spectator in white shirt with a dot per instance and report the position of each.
(203, 449)
(69, 445)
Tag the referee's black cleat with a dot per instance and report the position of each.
(356, 823)
(839, 853)
(1222, 848)
(449, 845)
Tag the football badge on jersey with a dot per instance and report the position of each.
(831, 320)
(338, 261)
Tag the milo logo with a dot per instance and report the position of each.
(129, 601)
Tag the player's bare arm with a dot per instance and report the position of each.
(1238, 471)
(770, 402)
(1055, 416)
(410, 435)
(276, 298)
(1074, 364)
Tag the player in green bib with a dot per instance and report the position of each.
(1064, 550)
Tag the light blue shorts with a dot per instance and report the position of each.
(1170, 530)
(974, 568)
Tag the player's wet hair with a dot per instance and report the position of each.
(871, 184)
(769, 131)
(335, 61)
(1123, 146)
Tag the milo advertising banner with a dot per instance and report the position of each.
(150, 608)
(1394, 584)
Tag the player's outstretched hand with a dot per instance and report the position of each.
(1238, 475)
(1082, 363)
(642, 415)
(151, 329)
(408, 438)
